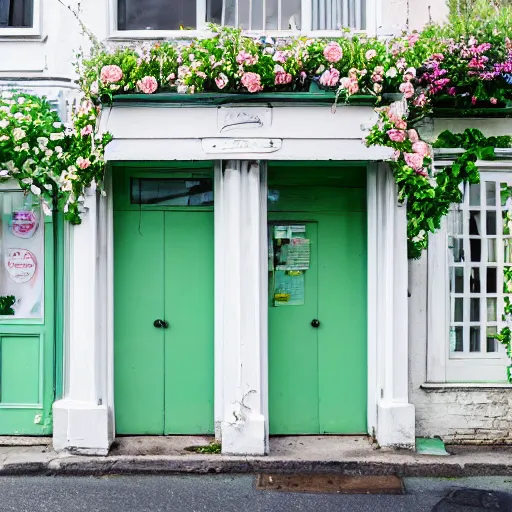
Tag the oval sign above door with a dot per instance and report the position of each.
(20, 264)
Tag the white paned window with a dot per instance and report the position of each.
(136, 16)
(474, 246)
(19, 17)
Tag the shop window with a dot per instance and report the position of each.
(172, 191)
(253, 15)
(474, 245)
(22, 255)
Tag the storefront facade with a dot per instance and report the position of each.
(235, 256)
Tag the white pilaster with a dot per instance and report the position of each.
(395, 415)
(241, 312)
(82, 419)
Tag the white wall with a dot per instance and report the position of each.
(52, 53)
(456, 415)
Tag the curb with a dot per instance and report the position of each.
(88, 466)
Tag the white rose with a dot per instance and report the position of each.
(43, 141)
(4, 123)
(35, 190)
(27, 181)
(18, 133)
(57, 124)
(25, 146)
(4, 137)
(58, 149)
(56, 136)
(21, 100)
(48, 152)
(391, 72)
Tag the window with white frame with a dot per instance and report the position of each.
(16, 13)
(19, 17)
(252, 15)
(474, 245)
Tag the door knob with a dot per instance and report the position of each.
(161, 324)
(315, 323)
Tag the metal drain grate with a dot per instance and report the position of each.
(330, 483)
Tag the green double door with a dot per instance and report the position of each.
(163, 311)
(318, 349)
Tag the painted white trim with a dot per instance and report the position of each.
(395, 415)
(465, 385)
(29, 32)
(372, 273)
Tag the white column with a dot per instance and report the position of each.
(82, 419)
(241, 308)
(395, 415)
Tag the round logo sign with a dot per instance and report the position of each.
(20, 265)
(24, 223)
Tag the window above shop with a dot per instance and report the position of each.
(19, 17)
(139, 18)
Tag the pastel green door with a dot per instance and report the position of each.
(163, 307)
(318, 373)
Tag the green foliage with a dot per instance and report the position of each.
(212, 448)
(6, 303)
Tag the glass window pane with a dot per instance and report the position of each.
(456, 339)
(491, 223)
(455, 222)
(474, 194)
(458, 313)
(457, 248)
(491, 250)
(172, 191)
(16, 14)
(490, 193)
(156, 14)
(474, 308)
(474, 339)
(492, 345)
(214, 11)
(22, 249)
(474, 223)
(457, 279)
(492, 283)
(271, 8)
(507, 250)
(507, 223)
(475, 248)
(491, 309)
(290, 14)
(474, 280)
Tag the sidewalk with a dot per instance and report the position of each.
(308, 454)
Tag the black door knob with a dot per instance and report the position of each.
(161, 324)
(315, 323)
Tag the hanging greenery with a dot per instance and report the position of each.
(46, 157)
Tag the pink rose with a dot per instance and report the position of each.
(396, 135)
(353, 87)
(370, 54)
(330, 77)
(493, 101)
(83, 163)
(221, 81)
(413, 38)
(147, 85)
(421, 172)
(421, 148)
(407, 89)
(420, 101)
(333, 52)
(280, 56)
(413, 136)
(252, 82)
(111, 74)
(452, 91)
(414, 160)
(86, 130)
(172, 76)
(246, 58)
(474, 99)
(282, 78)
(400, 123)
(396, 155)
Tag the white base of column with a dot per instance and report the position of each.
(396, 425)
(245, 437)
(81, 428)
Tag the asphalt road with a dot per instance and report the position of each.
(212, 493)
